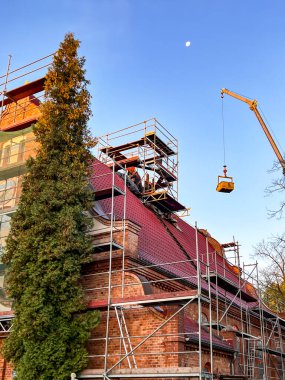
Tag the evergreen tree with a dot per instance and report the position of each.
(49, 241)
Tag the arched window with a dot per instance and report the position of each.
(238, 344)
(204, 318)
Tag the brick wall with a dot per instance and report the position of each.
(5, 368)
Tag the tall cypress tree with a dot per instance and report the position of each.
(49, 241)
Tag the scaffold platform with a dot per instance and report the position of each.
(147, 300)
(162, 372)
(149, 153)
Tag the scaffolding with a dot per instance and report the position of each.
(120, 302)
(221, 294)
(19, 105)
(151, 159)
(21, 93)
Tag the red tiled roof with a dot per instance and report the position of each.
(192, 328)
(155, 243)
(232, 298)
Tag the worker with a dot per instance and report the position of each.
(147, 183)
(135, 177)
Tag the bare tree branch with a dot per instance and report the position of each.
(272, 277)
(277, 186)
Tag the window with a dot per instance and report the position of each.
(7, 191)
(4, 230)
(13, 151)
(207, 369)
(238, 344)
(260, 370)
(6, 155)
(279, 367)
(204, 318)
(21, 151)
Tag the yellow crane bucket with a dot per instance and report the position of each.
(225, 184)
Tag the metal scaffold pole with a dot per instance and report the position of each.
(110, 273)
(262, 327)
(199, 294)
(5, 86)
(124, 230)
(210, 306)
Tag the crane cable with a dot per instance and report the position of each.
(223, 129)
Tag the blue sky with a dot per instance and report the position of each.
(139, 68)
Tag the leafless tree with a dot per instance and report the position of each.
(272, 275)
(272, 252)
(277, 186)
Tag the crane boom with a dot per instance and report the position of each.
(253, 107)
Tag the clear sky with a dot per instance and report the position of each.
(140, 68)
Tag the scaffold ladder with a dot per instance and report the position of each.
(251, 358)
(125, 336)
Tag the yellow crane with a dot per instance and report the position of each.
(253, 107)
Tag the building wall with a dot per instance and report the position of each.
(15, 113)
(167, 348)
(140, 323)
(5, 368)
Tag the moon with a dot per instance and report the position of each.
(188, 43)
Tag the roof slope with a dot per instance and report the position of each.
(192, 328)
(172, 248)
